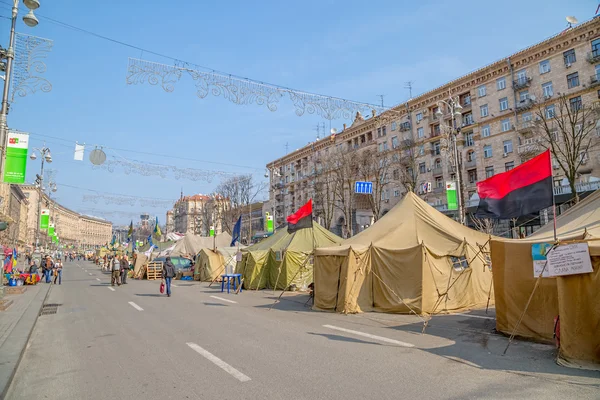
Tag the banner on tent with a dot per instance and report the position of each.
(569, 259)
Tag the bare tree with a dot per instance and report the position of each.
(485, 225)
(325, 187)
(240, 191)
(406, 158)
(569, 132)
(344, 170)
(375, 167)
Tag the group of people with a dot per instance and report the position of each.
(119, 267)
(50, 269)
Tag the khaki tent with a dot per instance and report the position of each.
(283, 259)
(192, 244)
(210, 264)
(413, 259)
(575, 298)
(139, 269)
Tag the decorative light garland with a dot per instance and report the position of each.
(29, 54)
(126, 200)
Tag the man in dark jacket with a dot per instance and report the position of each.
(168, 274)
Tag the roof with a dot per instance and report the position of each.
(303, 240)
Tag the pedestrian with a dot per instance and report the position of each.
(168, 274)
(124, 269)
(58, 271)
(48, 268)
(116, 271)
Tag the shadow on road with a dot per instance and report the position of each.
(215, 304)
(151, 295)
(343, 338)
(101, 284)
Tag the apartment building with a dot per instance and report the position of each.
(13, 210)
(499, 106)
(196, 214)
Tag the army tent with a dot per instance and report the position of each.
(576, 298)
(413, 259)
(192, 244)
(210, 264)
(284, 258)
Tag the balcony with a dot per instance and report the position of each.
(580, 187)
(529, 147)
(278, 186)
(522, 83)
(440, 207)
(437, 171)
(594, 80)
(433, 119)
(593, 56)
(525, 126)
(466, 105)
(525, 104)
(438, 190)
(471, 164)
(405, 126)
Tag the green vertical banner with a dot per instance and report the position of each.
(451, 195)
(51, 230)
(269, 223)
(44, 219)
(212, 231)
(16, 157)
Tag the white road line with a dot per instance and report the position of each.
(174, 285)
(90, 273)
(222, 299)
(136, 306)
(109, 288)
(98, 279)
(219, 363)
(380, 338)
(473, 316)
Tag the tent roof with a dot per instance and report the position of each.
(410, 223)
(303, 240)
(192, 244)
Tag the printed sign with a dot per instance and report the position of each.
(538, 253)
(51, 230)
(16, 157)
(363, 187)
(269, 223)
(451, 196)
(211, 233)
(569, 259)
(44, 219)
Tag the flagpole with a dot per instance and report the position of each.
(553, 201)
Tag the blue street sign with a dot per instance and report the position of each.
(363, 187)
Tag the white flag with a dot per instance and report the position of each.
(79, 150)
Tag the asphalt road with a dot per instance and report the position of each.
(132, 343)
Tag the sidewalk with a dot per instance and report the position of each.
(16, 324)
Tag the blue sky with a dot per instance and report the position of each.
(347, 49)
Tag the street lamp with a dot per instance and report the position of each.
(31, 21)
(455, 113)
(46, 157)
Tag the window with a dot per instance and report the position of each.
(395, 143)
(575, 103)
(484, 110)
(470, 156)
(419, 117)
(526, 116)
(504, 104)
(422, 168)
(469, 139)
(437, 163)
(573, 80)
(507, 146)
(394, 125)
(436, 130)
(569, 57)
(472, 173)
(481, 91)
(384, 130)
(421, 150)
(420, 133)
(487, 151)
(509, 165)
(501, 83)
(523, 95)
(468, 119)
(583, 157)
(489, 172)
(522, 77)
(596, 48)
(396, 174)
(385, 146)
(459, 264)
(485, 131)
(549, 111)
(436, 148)
(506, 125)
(396, 193)
(439, 182)
(378, 132)
(548, 90)
(545, 67)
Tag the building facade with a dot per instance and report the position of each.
(501, 104)
(13, 210)
(72, 228)
(196, 214)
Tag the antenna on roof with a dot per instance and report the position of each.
(571, 20)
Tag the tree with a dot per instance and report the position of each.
(375, 167)
(240, 191)
(325, 187)
(569, 131)
(344, 172)
(406, 158)
(485, 225)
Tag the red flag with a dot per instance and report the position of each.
(521, 191)
(301, 218)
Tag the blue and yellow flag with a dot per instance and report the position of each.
(157, 231)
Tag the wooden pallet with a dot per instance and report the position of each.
(154, 270)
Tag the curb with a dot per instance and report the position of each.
(12, 375)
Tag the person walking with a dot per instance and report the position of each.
(124, 269)
(168, 274)
(58, 266)
(116, 271)
(48, 268)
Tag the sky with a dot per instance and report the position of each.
(347, 49)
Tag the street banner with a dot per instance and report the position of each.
(212, 231)
(16, 157)
(269, 223)
(44, 219)
(79, 152)
(50, 230)
(451, 195)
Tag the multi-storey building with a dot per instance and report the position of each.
(196, 214)
(72, 228)
(13, 210)
(499, 106)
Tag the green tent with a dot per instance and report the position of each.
(283, 259)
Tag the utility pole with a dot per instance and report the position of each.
(408, 85)
(381, 96)
(287, 146)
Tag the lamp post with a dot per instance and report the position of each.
(455, 112)
(31, 21)
(46, 157)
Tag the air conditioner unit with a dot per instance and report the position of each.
(504, 155)
(567, 65)
(555, 166)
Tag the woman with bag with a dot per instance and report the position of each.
(168, 274)
(58, 271)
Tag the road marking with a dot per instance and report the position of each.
(222, 299)
(109, 288)
(219, 363)
(90, 273)
(174, 285)
(136, 306)
(473, 316)
(368, 335)
(98, 279)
